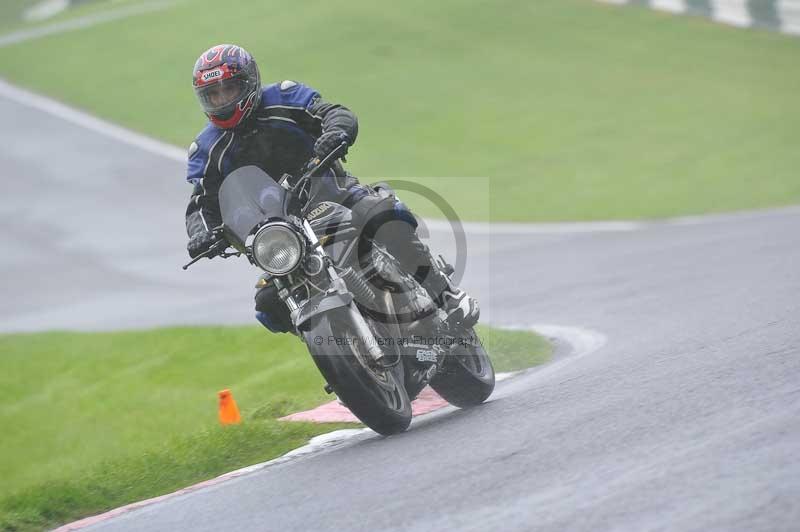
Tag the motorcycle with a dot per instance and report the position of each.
(373, 332)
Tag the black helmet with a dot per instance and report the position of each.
(227, 83)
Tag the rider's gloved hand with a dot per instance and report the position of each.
(200, 242)
(329, 141)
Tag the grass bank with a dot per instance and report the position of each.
(571, 109)
(94, 421)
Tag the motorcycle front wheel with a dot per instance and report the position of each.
(374, 394)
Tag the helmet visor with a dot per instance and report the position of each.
(221, 97)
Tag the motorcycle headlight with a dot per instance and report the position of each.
(277, 248)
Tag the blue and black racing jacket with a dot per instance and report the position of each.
(277, 137)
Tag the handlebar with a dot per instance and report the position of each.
(212, 251)
(217, 249)
(316, 164)
(301, 187)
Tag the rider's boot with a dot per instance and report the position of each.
(461, 309)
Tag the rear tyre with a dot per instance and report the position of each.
(374, 395)
(467, 378)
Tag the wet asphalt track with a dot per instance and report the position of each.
(688, 419)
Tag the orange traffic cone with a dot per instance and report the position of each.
(228, 411)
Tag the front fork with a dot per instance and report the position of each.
(337, 286)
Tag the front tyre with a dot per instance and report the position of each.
(467, 378)
(373, 394)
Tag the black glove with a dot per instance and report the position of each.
(200, 243)
(329, 141)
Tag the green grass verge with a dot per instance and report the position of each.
(94, 421)
(571, 108)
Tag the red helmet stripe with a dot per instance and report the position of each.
(242, 110)
(213, 54)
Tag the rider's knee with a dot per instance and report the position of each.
(403, 214)
(271, 312)
(374, 211)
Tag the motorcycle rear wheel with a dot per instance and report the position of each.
(467, 379)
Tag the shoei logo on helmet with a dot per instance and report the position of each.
(211, 75)
(204, 77)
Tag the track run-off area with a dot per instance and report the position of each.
(687, 417)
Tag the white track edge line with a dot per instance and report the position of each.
(611, 226)
(85, 120)
(78, 23)
(510, 228)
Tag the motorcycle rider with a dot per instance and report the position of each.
(278, 128)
